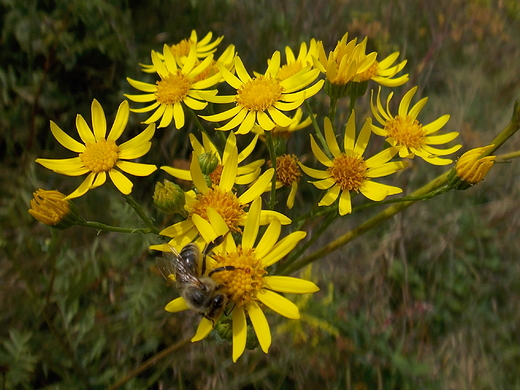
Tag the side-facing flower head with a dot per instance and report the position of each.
(383, 72)
(177, 86)
(262, 99)
(471, 168)
(181, 50)
(295, 64)
(53, 209)
(99, 154)
(246, 173)
(348, 170)
(221, 197)
(406, 133)
(288, 174)
(248, 285)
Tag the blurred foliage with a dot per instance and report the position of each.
(427, 302)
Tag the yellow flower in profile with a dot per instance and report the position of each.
(297, 63)
(178, 86)
(247, 285)
(246, 173)
(383, 72)
(288, 174)
(50, 208)
(99, 154)
(348, 170)
(345, 62)
(406, 133)
(471, 168)
(263, 99)
(285, 132)
(181, 50)
(222, 198)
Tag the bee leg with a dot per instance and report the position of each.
(220, 269)
(209, 248)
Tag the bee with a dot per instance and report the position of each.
(199, 290)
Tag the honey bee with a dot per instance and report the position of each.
(199, 290)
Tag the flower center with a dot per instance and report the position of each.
(287, 169)
(100, 156)
(406, 131)
(216, 174)
(289, 70)
(243, 283)
(259, 93)
(173, 88)
(369, 73)
(348, 172)
(181, 49)
(224, 203)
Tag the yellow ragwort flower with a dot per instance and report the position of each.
(345, 62)
(99, 154)
(470, 168)
(303, 60)
(49, 207)
(383, 72)
(178, 86)
(348, 170)
(248, 285)
(407, 134)
(221, 197)
(263, 99)
(181, 50)
(246, 173)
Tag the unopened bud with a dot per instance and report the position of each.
(170, 198)
(208, 162)
(51, 208)
(471, 168)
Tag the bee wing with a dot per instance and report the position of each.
(176, 269)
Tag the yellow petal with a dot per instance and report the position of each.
(269, 239)
(345, 205)
(330, 137)
(283, 247)
(83, 187)
(377, 191)
(99, 122)
(136, 169)
(279, 304)
(122, 183)
(260, 325)
(252, 224)
(66, 140)
(257, 188)
(288, 284)
(229, 172)
(120, 122)
(239, 332)
(84, 131)
(66, 166)
(177, 305)
(204, 328)
(137, 146)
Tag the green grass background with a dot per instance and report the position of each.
(429, 300)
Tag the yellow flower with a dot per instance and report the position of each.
(471, 168)
(50, 208)
(296, 64)
(261, 99)
(222, 198)
(245, 174)
(288, 175)
(99, 154)
(181, 50)
(248, 286)
(347, 61)
(383, 72)
(348, 170)
(178, 86)
(406, 133)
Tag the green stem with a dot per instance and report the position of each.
(203, 130)
(317, 129)
(107, 228)
(333, 108)
(373, 222)
(272, 156)
(150, 362)
(295, 255)
(511, 128)
(147, 221)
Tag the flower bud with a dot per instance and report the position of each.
(471, 168)
(208, 162)
(170, 198)
(51, 208)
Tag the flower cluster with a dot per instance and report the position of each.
(227, 245)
